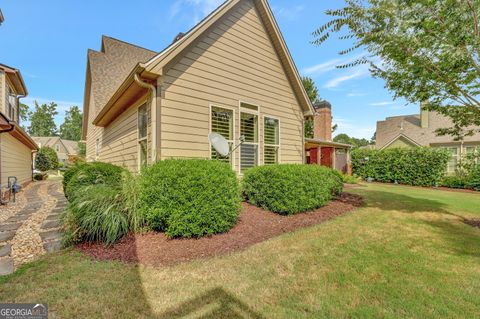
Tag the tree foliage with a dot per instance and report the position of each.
(71, 129)
(46, 159)
(355, 142)
(42, 121)
(429, 50)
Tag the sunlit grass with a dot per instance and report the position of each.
(406, 254)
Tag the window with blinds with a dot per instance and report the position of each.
(222, 123)
(142, 135)
(454, 159)
(271, 141)
(249, 149)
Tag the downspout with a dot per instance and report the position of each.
(153, 114)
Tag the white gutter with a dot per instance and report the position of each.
(153, 114)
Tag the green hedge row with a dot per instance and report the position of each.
(419, 166)
(290, 189)
(464, 179)
(185, 198)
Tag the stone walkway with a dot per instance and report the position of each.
(34, 228)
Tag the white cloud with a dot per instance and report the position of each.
(384, 103)
(356, 94)
(353, 129)
(201, 8)
(289, 13)
(357, 73)
(330, 65)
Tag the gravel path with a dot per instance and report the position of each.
(30, 227)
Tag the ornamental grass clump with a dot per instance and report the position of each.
(189, 197)
(290, 189)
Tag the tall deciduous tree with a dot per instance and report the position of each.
(42, 121)
(313, 95)
(71, 129)
(429, 51)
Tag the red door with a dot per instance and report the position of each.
(327, 157)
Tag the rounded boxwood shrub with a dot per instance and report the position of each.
(289, 189)
(94, 174)
(189, 198)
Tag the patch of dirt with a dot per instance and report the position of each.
(472, 222)
(255, 225)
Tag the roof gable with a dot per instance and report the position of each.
(158, 62)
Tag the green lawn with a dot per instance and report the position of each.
(406, 254)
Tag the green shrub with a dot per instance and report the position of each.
(97, 213)
(455, 181)
(94, 174)
(70, 172)
(474, 178)
(348, 179)
(40, 176)
(290, 189)
(103, 213)
(421, 166)
(46, 159)
(189, 198)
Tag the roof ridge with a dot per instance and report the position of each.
(127, 43)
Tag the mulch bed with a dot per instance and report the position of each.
(472, 222)
(255, 225)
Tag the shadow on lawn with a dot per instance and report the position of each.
(215, 303)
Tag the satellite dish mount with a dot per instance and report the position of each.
(220, 144)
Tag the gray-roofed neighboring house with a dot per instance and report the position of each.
(64, 148)
(417, 130)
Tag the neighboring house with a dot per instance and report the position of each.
(65, 149)
(321, 149)
(419, 130)
(16, 146)
(232, 74)
(1, 17)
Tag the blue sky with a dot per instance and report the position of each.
(48, 41)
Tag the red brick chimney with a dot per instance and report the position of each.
(322, 122)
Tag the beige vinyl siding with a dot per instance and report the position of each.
(119, 140)
(15, 159)
(233, 61)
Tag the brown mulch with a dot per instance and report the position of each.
(255, 225)
(472, 222)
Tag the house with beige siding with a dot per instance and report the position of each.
(231, 74)
(66, 150)
(16, 146)
(416, 130)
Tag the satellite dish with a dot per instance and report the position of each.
(220, 144)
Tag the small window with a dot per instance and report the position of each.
(271, 141)
(142, 135)
(222, 123)
(249, 149)
(454, 159)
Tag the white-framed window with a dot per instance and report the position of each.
(222, 122)
(271, 140)
(142, 125)
(249, 151)
(454, 159)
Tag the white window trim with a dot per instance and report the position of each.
(457, 157)
(139, 140)
(258, 144)
(279, 145)
(234, 110)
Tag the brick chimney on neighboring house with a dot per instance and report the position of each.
(322, 122)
